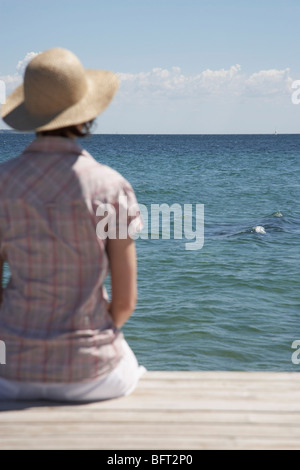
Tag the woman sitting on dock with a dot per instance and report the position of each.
(62, 335)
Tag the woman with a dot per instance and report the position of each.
(60, 226)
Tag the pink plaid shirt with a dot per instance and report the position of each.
(54, 319)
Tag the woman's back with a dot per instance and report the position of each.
(55, 305)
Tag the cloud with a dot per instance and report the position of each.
(11, 81)
(15, 79)
(232, 82)
(22, 63)
(269, 82)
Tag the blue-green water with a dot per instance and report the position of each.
(234, 304)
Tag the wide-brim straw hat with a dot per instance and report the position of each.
(58, 92)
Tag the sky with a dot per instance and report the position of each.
(186, 66)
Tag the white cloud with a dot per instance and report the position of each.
(15, 79)
(173, 83)
(22, 63)
(269, 82)
(11, 81)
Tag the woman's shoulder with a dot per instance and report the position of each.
(105, 170)
(99, 175)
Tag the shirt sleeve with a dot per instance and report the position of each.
(118, 212)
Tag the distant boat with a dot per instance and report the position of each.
(275, 133)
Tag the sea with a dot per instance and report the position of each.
(232, 304)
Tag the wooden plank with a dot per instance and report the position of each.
(154, 443)
(216, 376)
(186, 403)
(68, 415)
(146, 430)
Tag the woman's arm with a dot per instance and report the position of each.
(123, 269)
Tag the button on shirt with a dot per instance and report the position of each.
(53, 318)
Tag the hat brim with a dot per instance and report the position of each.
(101, 88)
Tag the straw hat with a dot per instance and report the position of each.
(58, 92)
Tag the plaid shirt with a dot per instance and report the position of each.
(54, 319)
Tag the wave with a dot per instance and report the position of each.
(259, 229)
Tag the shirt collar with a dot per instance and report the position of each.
(54, 144)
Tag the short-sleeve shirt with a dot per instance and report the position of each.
(54, 318)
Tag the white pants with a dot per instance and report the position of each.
(121, 381)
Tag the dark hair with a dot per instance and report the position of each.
(70, 131)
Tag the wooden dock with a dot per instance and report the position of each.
(168, 410)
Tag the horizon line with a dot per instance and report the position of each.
(12, 131)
